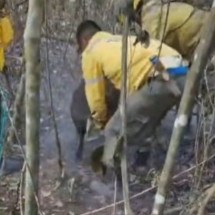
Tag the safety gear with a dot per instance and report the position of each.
(102, 59)
(6, 36)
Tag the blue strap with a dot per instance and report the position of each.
(182, 70)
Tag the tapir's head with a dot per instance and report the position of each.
(85, 32)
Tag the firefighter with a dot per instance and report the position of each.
(6, 37)
(6, 34)
(183, 27)
(146, 104)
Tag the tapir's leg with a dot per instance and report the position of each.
(80, 147)
(79, 113)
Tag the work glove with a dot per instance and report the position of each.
(93, 129)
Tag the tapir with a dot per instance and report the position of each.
(80, 111)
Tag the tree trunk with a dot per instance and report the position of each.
(124, 168)
(32, 37)
(202, 54)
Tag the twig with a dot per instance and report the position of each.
(148, 189)
(21, 190)
(209, 194)
(115, 195)
(173, 210)
(203, 153)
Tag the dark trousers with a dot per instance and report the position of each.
(145, 110)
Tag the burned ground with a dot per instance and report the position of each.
(81, 189)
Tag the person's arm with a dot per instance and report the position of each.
(7, 33)
(95, 90)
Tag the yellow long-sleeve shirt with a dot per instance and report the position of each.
(6, 36)
(102, 59)
(183, 29)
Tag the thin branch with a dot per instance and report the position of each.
(209, 194)
(115, 195)
(21, 190)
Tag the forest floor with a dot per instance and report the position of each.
(91, 191)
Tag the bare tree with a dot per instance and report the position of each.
(32, 37)
(203, 52)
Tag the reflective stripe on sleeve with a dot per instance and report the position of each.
(94, 80)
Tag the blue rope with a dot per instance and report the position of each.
(4, 118)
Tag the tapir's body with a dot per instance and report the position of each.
(80, 111)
